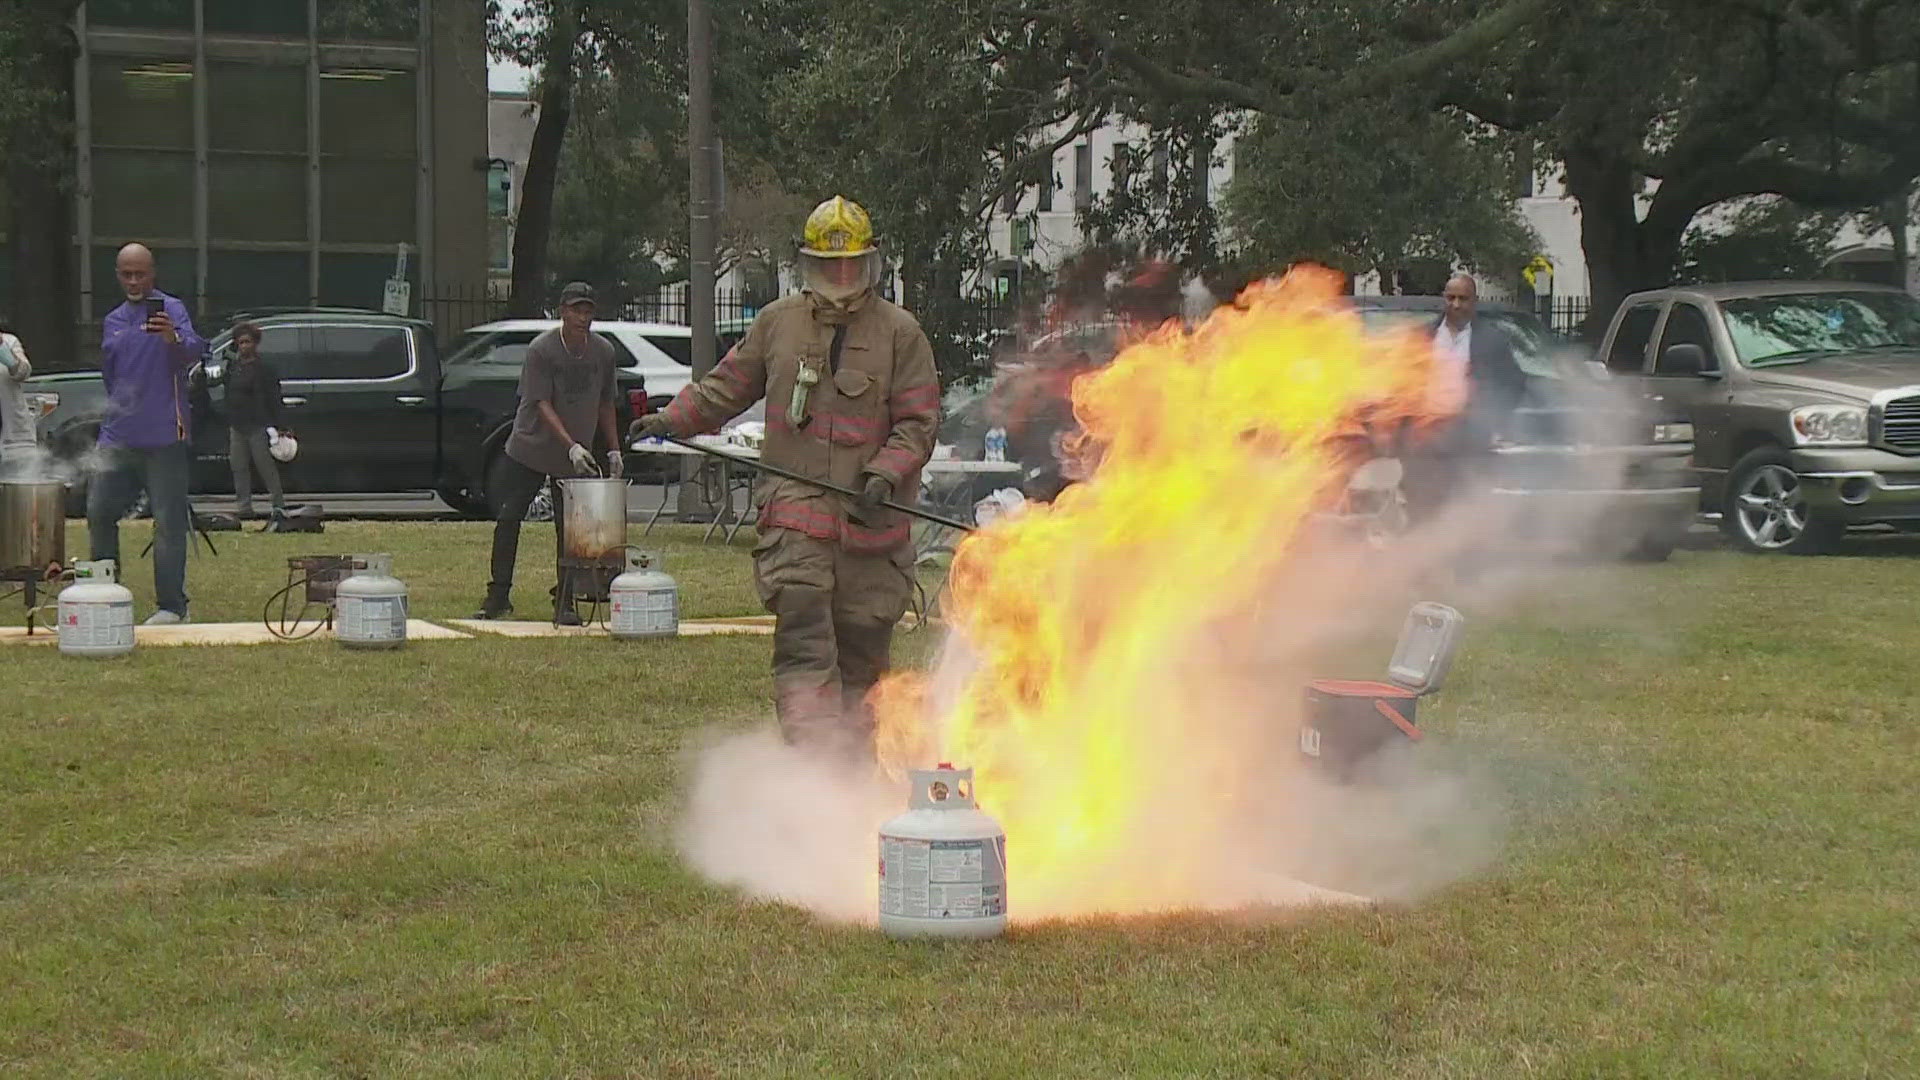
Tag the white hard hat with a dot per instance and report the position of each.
(283, 448)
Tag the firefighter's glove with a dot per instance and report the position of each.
(873, 493)
(616, 465)
(650, 426)
(582, 459)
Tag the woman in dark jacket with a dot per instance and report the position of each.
(253, 404)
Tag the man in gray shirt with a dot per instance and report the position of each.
(567, 390)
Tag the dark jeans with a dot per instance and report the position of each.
(250, 444)
(162, 473)
(522, 484)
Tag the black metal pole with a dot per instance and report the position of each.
(756, 463)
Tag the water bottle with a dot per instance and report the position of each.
(996, 444)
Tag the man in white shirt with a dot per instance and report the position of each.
(18, 441)
(1477, 372)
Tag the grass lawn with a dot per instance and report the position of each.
(455, 859)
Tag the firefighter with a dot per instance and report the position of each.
(852, 400)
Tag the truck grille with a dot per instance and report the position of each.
(1900, 424)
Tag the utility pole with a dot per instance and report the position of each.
(700, 230)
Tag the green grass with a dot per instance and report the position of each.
(453, 860)
(445, 566)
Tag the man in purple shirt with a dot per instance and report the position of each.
(147, 346)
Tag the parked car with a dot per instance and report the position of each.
(1575, 450)
(376, 409)
(1803, 398)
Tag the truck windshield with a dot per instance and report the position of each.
(1798, 327)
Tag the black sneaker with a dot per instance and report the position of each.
(495, 606)
(566, 616)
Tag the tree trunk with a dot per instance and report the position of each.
(534, 222)
(45, 301)
(1624, 254)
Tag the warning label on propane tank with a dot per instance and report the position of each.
(97, 625)
(363, 619)
(942, 879)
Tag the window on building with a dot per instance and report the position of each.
(367, 156)
(143, 194)
(1047, 182)
(1524, 164)
(1010, 202)
(250, 280)
(360, 281)
(367, 112)
(1121, 168)
(1083, 176)
(260, 108)
(357, 20)
(256, 197)
(142, 14)
(268, 18)
(1202, 172)
(1628, 355)
(1162, 166)
(142, 103)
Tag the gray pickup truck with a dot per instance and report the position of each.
(1803, 398)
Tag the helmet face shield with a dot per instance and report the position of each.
(840, 279)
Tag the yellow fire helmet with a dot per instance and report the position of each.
(837, 229)
(838, 261)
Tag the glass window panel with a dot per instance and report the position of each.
(143, 193)
(257, 107)
(142, 103)
(358, 20)
(278, 18)
(145, 14)
(364, 352)
(367, 112)
(173, 272)
(256, 197)
(367, 202)
(251, 280)
(360, 281)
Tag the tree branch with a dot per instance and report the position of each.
(1014, 175)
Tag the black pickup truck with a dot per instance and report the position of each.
(373, 405)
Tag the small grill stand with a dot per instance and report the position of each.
(1348, 721)
(588, 580)
(31, 580)
(317, 578)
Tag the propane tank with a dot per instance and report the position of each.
(96, 612)
(370, 605)
(943, 863)
(645, 601)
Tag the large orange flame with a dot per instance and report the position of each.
(1110, 738)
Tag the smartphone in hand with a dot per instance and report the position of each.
(155, 306)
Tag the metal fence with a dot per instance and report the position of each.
(1567, 314)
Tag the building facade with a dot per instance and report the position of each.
(283, 153)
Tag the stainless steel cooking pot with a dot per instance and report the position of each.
(595, 517)
(33, 525)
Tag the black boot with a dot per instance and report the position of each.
(565, 615)
(496, 605)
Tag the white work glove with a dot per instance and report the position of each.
(582, 459)
(616, 465)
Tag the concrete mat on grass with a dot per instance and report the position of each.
(252, 633)
(532, 629)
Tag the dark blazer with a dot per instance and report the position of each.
(1495, 380)
(253, 394)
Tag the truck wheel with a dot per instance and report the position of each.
(1767, 510)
